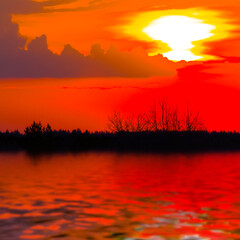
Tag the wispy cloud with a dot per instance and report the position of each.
(73, 5)
(48, 6)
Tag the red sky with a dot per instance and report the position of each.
(118, 67)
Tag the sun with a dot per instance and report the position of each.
(179, 33)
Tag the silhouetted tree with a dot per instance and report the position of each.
(116, 122)
(47, 129)
(37, 129)
(162, 117)
(176, 123)
(192, 122)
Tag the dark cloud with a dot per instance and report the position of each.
(10, 41)
(36, 60)
(133, 64)
(19, 6)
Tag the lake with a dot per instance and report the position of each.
(120, 196)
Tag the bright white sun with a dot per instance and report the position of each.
(179, 33)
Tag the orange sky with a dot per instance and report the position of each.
(87, 103)
(83, 23)
(119, 74)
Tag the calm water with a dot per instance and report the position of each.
(122, 197)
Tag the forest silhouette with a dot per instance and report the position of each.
(163, 129)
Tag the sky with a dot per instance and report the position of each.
(72, 62)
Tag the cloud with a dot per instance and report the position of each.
(20, 6)
(10, 41)
(36, 60)
(134, 64)
(30, 6)
(228, 74)
(73, 5)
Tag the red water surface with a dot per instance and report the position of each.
(120, 196)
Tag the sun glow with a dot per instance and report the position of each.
(179, 32)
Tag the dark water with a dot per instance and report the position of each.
(122, 197)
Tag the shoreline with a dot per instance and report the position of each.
(142, 142)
